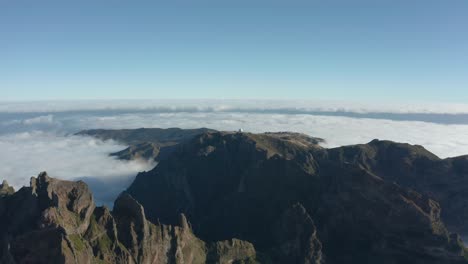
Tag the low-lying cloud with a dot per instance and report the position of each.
(442, 113)
(67, 157)
(218, 105)
(31, 142)
(443, 140)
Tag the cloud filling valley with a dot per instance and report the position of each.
(35, 141)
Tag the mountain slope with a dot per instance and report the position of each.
(145, 143)
(444, 180)
(241, 184)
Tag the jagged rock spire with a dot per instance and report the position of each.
(6, 189)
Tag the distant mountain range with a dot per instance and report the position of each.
(235, 197)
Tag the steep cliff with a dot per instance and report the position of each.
(55, 221)
(241, 184)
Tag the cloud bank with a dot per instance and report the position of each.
(443, 140)
(67, 157)
(31, 142)
(250, 105)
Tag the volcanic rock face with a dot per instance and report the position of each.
(444, 180)
(55, 221)
(297, 202)
(296, 237)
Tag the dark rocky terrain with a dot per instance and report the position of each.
(357, 204)
(145, 143)
(291, 199)
(444, 180)
(55, 221)
(158, 143)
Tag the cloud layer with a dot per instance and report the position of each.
(443, 140)
(297, 106)
(67, 157)
(31, 142)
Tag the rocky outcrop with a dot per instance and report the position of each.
(6, 189)
(295, 236)
(148, 243)
(241, 185)
(231, 251)
(145, 151)
(40, 222)
(64, 204)
(103, 238)
(55, 221)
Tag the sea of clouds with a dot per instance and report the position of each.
(39, 136)
(210, 105)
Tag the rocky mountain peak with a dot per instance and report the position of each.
(184, 223)
(6, 189)
(57, 221)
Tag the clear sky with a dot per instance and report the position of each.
(327, 49)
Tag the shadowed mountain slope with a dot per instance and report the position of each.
(444, 180)
(341, 209)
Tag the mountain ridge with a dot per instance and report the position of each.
(145, 143)
(217, 177)
(237, 197)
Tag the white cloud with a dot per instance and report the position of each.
(26, 154)
(34, 142)
(443, 140)
(45, 119)
(212, 105)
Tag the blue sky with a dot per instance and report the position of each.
(345, 50)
